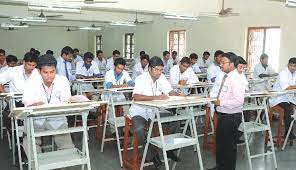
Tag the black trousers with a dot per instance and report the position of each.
(226, 140)
(288, 111)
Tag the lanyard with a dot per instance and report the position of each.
(154, 90)
(48, 97)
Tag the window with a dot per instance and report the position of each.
(98, 42)
(177, 42)
(129, 45)
(263, 40)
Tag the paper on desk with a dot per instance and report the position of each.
(78, 99)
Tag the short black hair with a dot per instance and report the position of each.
(142, 53)
(116, 52)
(239, 60)
(67, 50)
(292, 60)
(99, 51)
(263, 56)
(2, 51)
(37, 52)
(46, 60)
(119, 61)
(32, 50)
(11, 58)
(155, 61)
(49, 52)
(144, 57)
(174, 52)
(218, 52)
(206, 53)
(31, 57)
(185, 60)
(88, 55)
(231, 56)
(165, 53)
(193, 56)
(75, 50)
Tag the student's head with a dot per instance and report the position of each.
(206, 55)
(144, 60)
(116, 54)
(100, 54)
(32, 50)
(227, 62)
(11, 60)
(119, 65)
(166, 55)
(142, 53)
(193, 58)
(184, 64)
(155, 67)
(240, 64)
(174, 54)
(292, 65)
(67, 53)
(264, 59)
(75, 52)
(2, 56)
(37, 53)
(218, 56)
(30, 62)
(88, 58)
(50, 52)
(47, 68)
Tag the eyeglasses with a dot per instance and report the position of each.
(224, 63)
(157, 69)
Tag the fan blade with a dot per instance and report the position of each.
(92, 1)
(53, 16)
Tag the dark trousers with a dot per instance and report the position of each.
(226, 140)
(139, 124)
(288, 111)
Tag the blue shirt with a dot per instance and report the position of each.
(61, 68)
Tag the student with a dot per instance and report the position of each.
(3, 65)
(110, 61)
(48, 88)
(240, 64)
(214, 68)
(286, 81)
(76, 58)
(50, 52)
(263, 70)
(101, 61)
(168, 62)
(11, 61)
(183, 74)
(229, 104)
(141, 67)
(87, 68)
(151, 85)
(64, 67)
(175, 58)
(193, 61)
(204, 62)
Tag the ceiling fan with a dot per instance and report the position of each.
(224, 12)
(137, 22)
(69, 29)
(93, 1)
(42, 15)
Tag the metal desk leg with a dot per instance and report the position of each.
(1, 118)
(29, 144)
(13, 141)
(18, 145)
(33, 143)
(85, 149)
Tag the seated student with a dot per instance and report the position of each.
(11, 61)
(168, 62)
(175, 58)
(151, 85)
(263, 70)
(3, 65)
(183, 74)
(204, 62)
(142, 66)
(64, 67)
(214, 68)
(110, 61)
(76, 58)
(193, 61)
(48, 88)
(101, 61)
(286, 81)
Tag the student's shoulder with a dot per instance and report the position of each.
(109, 73)
(60, 79)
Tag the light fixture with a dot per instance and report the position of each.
(91, 28)
(54, 8)
(129, 24)
(182, 17)
(5, 25)
(29, 19)
(291, 3)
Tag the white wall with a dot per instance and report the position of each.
(20, 41)
(227, 33)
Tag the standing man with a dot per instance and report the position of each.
(204, 62)
(110, 61)
(64, 67)
(214, 68)
(3, 64)
(101, 61)
(141, 67)
(168, 62)
(229, 104)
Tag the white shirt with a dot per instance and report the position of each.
(284, 80)
(196, 68)
(75, 60)
(110, 64)
(101, 64)
(259, 69)
(16, 77)
(203, 64)
(59, 92)
(176, 75)
(61, 68)
(110, 77)
(144, 85)
(167, 66)
(81, 69)
(212, 71)
(138, 70)
(3, 67)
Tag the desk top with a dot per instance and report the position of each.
(121, 90)
(16, 95)
(199, 84)
(90, 80)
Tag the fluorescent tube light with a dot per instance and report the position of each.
(291, 3)
(28, 19)
(5, 25)
(54, 8)
(91, 28)
(182, 17)
(129, 24)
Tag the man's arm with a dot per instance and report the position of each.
(140, 97)
(2, 90)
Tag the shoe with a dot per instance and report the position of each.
(215, 168)
(173, 157)
(156, 161)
